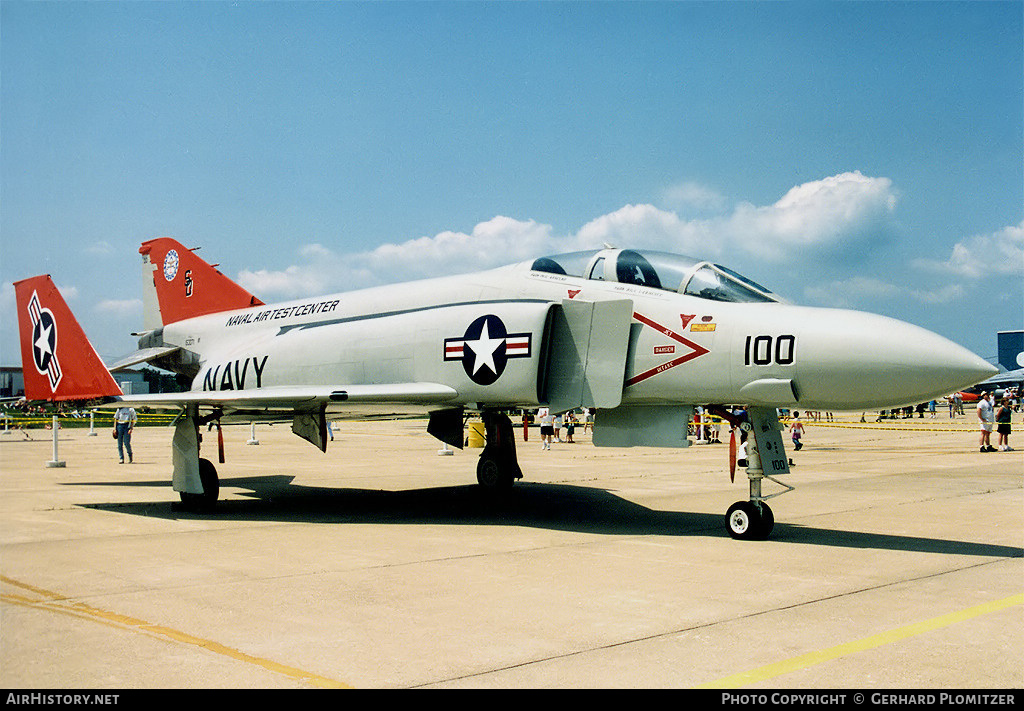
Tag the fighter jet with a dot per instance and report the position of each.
(642, 337)
(1010, 346)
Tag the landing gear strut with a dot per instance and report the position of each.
(498, 467)
(195, 479)
(753, 519)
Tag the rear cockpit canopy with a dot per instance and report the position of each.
(658, 270)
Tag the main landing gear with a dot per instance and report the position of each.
(211, 489)
(498, 468)
(195, 479)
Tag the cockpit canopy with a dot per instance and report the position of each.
(658, 270)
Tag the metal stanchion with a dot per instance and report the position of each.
(55, 462)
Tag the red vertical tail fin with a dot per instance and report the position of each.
(186, 286)
(58, 362)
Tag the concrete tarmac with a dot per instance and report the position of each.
(895, 564)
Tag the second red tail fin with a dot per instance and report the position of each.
(58, 362)
(186, 286)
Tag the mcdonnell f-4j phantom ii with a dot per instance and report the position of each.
(642, 337)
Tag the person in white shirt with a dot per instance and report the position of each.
(124, 423)
(547, 427)
(986, 416)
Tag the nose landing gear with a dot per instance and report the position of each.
(750, 520)
(753, 519)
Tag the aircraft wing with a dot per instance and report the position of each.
(1011, 377)
(284, 402)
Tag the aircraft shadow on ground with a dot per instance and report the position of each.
(563, 507)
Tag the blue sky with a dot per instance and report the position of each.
(861, 155)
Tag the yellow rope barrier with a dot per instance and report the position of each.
(899, 424)
(910, 427)
(105, 420)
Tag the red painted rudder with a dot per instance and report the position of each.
(57, 360)
(186, 286)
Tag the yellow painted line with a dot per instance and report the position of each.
(58, 603)
(25, 586)
(806, 660)
(909, 427)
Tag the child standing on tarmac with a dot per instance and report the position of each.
(797, 428)
(547, 427)
(1003, 425)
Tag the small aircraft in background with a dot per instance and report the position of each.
(1010, 346)
(642, 337)
(1010, 380)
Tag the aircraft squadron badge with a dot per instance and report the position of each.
(171, 265)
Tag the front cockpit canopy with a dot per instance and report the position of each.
(658, 270)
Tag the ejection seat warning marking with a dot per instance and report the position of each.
(696, 352)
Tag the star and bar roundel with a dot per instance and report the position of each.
(44, 342)
(486, 348)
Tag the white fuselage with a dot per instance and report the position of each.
(681, 349)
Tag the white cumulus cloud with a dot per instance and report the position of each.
(837, 213)
(692, 196)
(1000, 253)
(852, 292)
(120, 307)
(651, 227)
(500, 240)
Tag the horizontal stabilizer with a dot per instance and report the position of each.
(144, 355)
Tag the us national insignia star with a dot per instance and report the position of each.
(486, 348)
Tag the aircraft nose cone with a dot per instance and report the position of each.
(858, 360)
